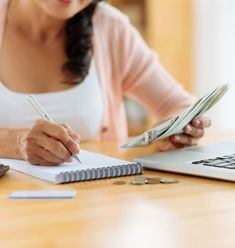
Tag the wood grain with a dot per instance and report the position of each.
(196, 212)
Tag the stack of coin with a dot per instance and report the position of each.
(140, 180)
(168, 180)
(152, 180)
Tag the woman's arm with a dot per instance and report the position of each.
(147, 81)
(10, 142)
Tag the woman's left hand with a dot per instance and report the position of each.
(190, 136)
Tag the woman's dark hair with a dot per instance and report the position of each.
(78, 45)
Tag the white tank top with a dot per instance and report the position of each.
(81, 107)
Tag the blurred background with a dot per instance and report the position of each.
(195, 41)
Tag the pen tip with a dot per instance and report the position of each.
(75, 156)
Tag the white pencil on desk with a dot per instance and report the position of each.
(45, 116)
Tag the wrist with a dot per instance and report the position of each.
(10, 142)
(20, 143)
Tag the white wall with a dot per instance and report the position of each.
(215, 55)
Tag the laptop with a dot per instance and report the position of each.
(213, 161)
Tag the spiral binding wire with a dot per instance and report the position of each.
(100, 173)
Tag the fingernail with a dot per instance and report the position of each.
(188, 129)
(69, 159)
(197, 122)
(75, 148)
(176, 138)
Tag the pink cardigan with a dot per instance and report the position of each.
(126, 66)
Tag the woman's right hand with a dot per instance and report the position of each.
(48, 143)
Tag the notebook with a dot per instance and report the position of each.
(94, 166)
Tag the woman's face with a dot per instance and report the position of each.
(62, 9)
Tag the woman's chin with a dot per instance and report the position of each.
(62, 15)
(63, 9)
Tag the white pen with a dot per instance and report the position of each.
(42, 112)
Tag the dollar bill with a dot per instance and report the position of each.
(176, 124)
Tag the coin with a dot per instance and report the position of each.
(168, 180)
(138, 180)
(119, 182)
(153, 180)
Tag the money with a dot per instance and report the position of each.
(152, 180)
(138, 180)
(176, 124)
(168, 180)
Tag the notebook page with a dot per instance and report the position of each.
(90, 160)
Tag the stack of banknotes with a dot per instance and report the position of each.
(176, 124)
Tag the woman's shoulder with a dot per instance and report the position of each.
(109, 14)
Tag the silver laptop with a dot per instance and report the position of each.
(214, 161)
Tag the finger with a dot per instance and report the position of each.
(164, 145)
(184, 139)
(73, 146)
(53, 146)
(167, 145)
(57, 132)
(193, 131)
(201, 122)
(36, 160)
(74, 135)
(39, 151)
(48, 156)
(53, 130)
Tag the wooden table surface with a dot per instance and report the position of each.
(196, 212)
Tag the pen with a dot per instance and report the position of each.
(45, 116)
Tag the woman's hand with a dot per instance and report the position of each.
(190, 136)
(47, 143)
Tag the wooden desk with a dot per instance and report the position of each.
(196, 212)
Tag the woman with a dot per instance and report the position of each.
(79, 57)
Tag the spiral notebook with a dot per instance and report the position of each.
(94, 166)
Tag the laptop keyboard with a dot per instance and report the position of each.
(226, 161)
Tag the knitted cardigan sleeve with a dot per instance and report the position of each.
(142, 76)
